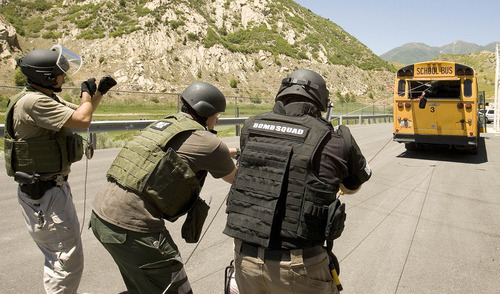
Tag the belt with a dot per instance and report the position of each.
(278, 254)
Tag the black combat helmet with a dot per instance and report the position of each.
(308, 84)
(204, 98)
(40, 67)
(43, 66)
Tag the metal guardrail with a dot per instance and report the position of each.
(107, 126)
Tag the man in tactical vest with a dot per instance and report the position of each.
(157, 176)
(39, 149)
(282, 206)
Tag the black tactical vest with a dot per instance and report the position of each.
(276, 195)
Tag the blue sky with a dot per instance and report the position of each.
(435, 23)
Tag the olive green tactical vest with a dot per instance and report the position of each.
(161, 176)
(40, 155)
(276, 195)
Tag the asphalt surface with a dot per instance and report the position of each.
(427, 222)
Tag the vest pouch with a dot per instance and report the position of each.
(75, 147)
(336, 219)
(172, 186)
(40, 156)
(315, 212)
(8, 150)
(257, 194)
(191, 229)
(313, 221)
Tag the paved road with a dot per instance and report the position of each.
(427, 222)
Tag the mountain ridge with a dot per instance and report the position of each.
(414, 52)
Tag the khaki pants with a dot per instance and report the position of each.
(255, 275)
(148, 262)
(53, 224)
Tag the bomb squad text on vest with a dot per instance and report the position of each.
(278, 128)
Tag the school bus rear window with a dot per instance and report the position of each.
(435, 89)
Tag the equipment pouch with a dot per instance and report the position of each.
(30, 156)
(193, 225)
(336, 219)
(75, 147)
(174, 189)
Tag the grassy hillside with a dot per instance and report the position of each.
(484, 63)
(108, 19)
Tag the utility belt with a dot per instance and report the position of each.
(278, 254)
(34, 187)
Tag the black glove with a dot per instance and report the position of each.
(105, 84)
(89, 86)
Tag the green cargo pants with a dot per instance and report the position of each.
(148, 262)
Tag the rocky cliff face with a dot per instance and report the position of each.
(9, 46)
(170, 49)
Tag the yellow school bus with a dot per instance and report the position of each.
(436, 102)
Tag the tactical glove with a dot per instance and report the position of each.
(89, 86)
(105, 84)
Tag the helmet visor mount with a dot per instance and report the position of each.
(67, 62)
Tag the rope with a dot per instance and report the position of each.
(415, 230)
(197, 244)
(89, 143)
(381, 149)
(84, 195)
(389, 214)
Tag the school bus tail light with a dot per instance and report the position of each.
(400, 104)
(460, 105)
(468, 106)
(406, 72)
(408, 105)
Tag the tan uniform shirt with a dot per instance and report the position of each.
(202, 150)
(39, 115)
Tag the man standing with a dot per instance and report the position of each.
(158, 176)
(282, 206)
(39, 149)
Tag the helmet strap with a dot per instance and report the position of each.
(52, 88)
(189, 110)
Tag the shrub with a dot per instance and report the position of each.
(256, 65)
(233, 83)
(34, 25)
(211, 38)
(174, 24)
(52, 35)
(83, 23)
(40, 5)
(91, 34)
(19, 78)
(192, 37)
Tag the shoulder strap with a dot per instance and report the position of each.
(9, 114)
